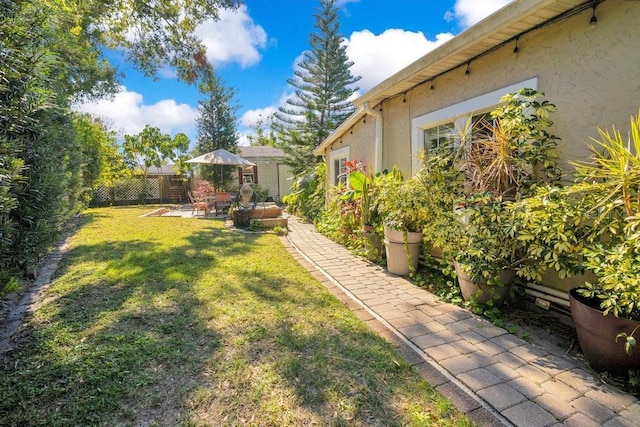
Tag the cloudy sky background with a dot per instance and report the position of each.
(256, 48)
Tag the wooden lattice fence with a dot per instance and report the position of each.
(127, 192)
(158, 189)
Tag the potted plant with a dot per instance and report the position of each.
(553, 231)
(486, 254)
(402, 206)
(606, 312)
(503, 159)
(444, 184)
(363, 192)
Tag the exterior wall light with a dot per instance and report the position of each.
(594, 19)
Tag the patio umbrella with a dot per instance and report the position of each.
(221, 157)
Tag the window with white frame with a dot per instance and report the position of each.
(433, 129)
(438, 136)
(337, 165)
(340, 169)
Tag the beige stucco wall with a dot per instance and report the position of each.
(396, 133)
(359, 139)
(589, 72)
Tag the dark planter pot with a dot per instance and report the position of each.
(482, 292)
(242, 218)
(597, 337)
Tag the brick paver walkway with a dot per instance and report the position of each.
(493, 376)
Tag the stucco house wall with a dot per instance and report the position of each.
(356, 143)
(397, 134)
(588, 71)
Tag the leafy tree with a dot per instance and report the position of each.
(152, 148)
(216, 125)
(265, 133)
(182, 143)
(103, 162)
(153, 33)
(323, 85)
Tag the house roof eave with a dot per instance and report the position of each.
(504, 25)
(498, 28)
(340, 130)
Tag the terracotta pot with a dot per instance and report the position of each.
(482, 292)
(434, 251)
(374, 241)
(597, 337)
(402, 257)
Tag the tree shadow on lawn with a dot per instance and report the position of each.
(137, 333)
(111, 349)
(302, 358)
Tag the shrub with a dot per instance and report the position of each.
(307, 197)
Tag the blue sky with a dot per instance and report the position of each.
(255, 50)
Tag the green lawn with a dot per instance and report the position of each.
(172, 321)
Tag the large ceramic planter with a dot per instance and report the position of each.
(482, 292)
(402, 252)
(597, 337)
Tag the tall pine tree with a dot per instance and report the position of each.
(216, 125)
(323, 84)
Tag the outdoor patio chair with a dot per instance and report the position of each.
(197, 205)
(223, 201)
(210, 201)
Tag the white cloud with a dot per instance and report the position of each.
(234, 38)
(251, 117)
(377, 57)
(128, 114)
(468, 12)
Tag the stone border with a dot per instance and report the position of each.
(32, 296)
